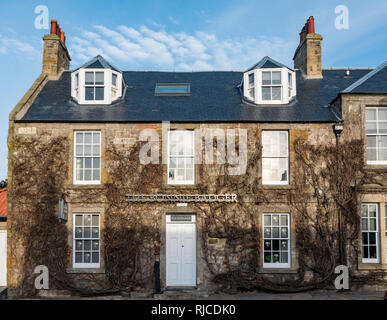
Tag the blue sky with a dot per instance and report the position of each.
(181, 35)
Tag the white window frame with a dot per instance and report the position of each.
(276, 264)
(281, 85)
(282, 157)
(79, 95)
(75, 181)
(182, 182)
(87, 265)
(285, 98)
(377, 121)
(368, 260)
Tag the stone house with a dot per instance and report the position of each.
(103, 113)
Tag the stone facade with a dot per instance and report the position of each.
(124, 136)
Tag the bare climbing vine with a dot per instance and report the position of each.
(326, 183)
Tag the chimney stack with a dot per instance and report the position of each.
(55, 55)
(307, 57)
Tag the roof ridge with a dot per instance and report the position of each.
(364, 78)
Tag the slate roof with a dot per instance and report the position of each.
(215, 97)
(98, 62)
(268, 62)
(3, 202)
(373, 82)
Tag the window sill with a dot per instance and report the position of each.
(181, 186)
(276, 186)
(378, 166)
(85, 270)
(277, 271)
(85, 186)
(372, 266)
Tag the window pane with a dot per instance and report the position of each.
(276, 93)
(99, 93)
(114, 79)
(95, 220)
(371, 141)
(172, 88)
(87, 174)
(89, 78)
(372, 210)
(371, 127)
(99, 78)
(284, 257)
(79, 150)
(95, 245)
(78, 220)
(274, 170)
(79, 137)
(86, 257)
(364, 224)
(87, 244)
(78, 232)
(89, 93)
(251, 78)
(88, 163)
(86, 220)
(96, 174)
(88, 137)
(78, 257)
(95, 257)
(372, 252)
(276, 233)
(266, 77)
(275, 220)
(370, 114)
(284, 220)
(78, 245)
(382, 114)
(96, 163)
(266, 220)
(95, 232)
(382, 127)
(96, 138)
(266, 93)
(87, 232)
(276, 77)
(371, 154)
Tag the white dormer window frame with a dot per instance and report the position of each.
(254, 92)
(111, 86)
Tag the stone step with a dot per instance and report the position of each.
(181, 294)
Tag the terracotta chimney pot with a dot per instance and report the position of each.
(54, 25)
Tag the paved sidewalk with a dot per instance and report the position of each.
(314, 295)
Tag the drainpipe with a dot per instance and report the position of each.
(338, 129)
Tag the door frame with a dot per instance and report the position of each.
(195, 244)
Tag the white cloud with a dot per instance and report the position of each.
(15, 46)
(147, 48)
(173, 20)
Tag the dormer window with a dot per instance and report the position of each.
(269, 82)
(97, 82)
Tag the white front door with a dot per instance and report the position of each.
(3, 258)
(181, 250)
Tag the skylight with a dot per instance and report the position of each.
(172, 89)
